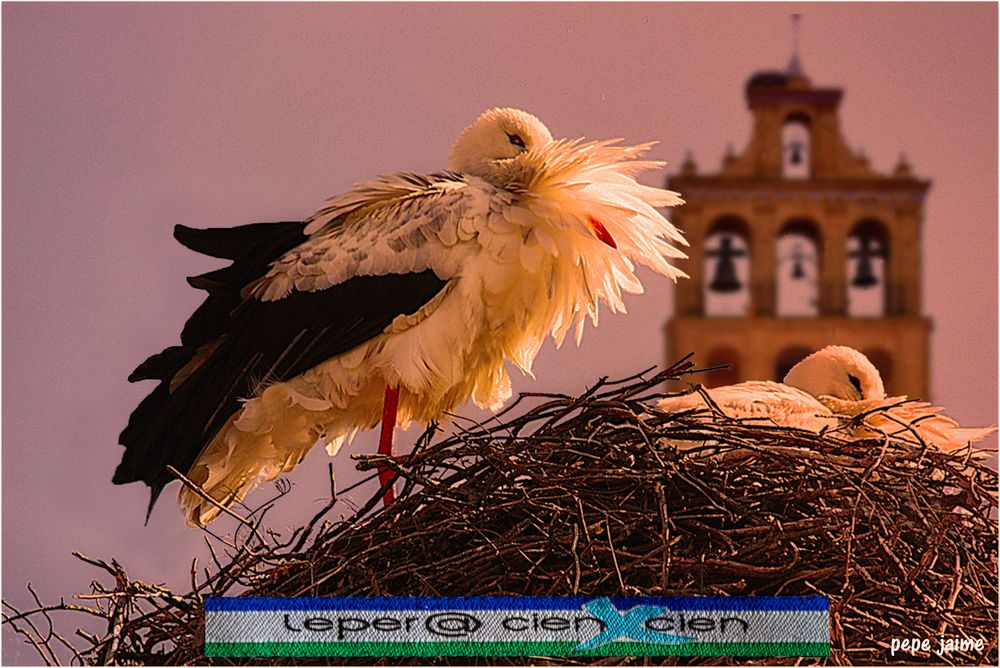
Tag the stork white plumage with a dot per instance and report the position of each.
(833, 383)
(399, 301)
(759, 402)
(846, 382)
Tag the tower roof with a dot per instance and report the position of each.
(768, 79)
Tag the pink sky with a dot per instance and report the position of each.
(121, 120)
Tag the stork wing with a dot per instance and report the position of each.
(773, 403)
(401, 223)
(287, 303)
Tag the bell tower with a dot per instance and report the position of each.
(796, 243)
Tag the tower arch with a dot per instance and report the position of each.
(728, 376)
(796, 145)
(798, 253)
(789, 357)
(884, 362)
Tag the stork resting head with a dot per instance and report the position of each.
(505, 146)
(489, 146)
(837, 371)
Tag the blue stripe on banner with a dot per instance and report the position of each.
(744, 603)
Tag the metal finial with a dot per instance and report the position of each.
(796, 19)
(794, 66)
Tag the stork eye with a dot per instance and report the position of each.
(856, 383)
(516, 140)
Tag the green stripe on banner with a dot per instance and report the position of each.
(459, 648)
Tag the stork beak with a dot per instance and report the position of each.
(602, 233)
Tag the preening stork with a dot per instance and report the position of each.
(398, 301)
(830, 384)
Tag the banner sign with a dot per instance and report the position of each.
(518, 626)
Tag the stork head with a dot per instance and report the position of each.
(492, 144)
(837, 371)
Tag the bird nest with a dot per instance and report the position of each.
(604, 494)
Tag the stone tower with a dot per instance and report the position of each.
(797, 244)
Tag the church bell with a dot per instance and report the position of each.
(865, 277)
(798, 271)
(725, 279)
(796, 157)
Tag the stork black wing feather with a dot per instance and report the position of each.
(162, 365)
(250, 261)
(231, 243)
(253, 344)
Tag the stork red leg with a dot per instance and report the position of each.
(389, 407)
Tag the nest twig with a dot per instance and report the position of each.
(604, 494)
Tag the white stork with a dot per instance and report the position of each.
(399, 301)
(830, 384)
